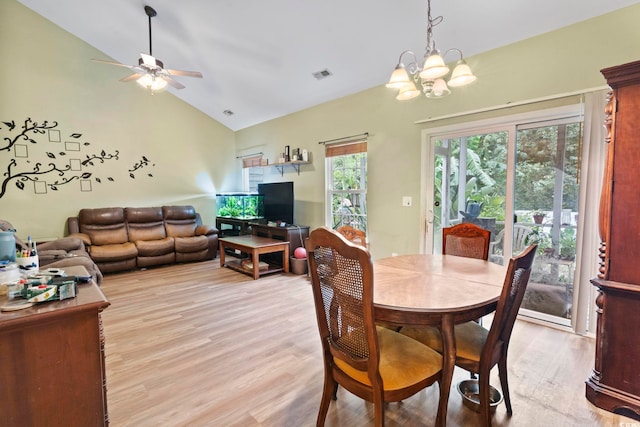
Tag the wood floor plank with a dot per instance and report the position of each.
(200, 345)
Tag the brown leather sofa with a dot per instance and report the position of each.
(120, 239)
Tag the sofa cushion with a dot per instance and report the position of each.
(145, 224)
(110, 253)
(180, 221)
(150, 248)
(191, 244)
(104, 226)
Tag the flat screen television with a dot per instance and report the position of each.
(277, 201)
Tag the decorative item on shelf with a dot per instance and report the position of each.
(287, 154)
(305, 155)
(431, 74)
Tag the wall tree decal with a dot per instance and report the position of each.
(58, 169)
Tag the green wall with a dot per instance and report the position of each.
(47, 74)
(563, 61)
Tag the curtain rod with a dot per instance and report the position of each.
(249, 155)
(365, 134)
(513, 104)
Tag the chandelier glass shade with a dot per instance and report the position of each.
(432, 72)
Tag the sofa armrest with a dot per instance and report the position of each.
(73, 225)
(84, 237)
(68, 244)
(205, 230)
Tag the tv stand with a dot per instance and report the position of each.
(234, 226)
(294, 234)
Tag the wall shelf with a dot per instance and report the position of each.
(295, 165)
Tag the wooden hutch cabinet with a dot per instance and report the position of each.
(614, 384)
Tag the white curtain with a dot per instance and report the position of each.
(591, 175)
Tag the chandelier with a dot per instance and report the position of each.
(431, 75)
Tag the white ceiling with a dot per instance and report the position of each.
(258, 56)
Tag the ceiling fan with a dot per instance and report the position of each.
(150, 72)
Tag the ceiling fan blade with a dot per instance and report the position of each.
(102, 61)
(184, 73)
(174, 83)
(132, 77)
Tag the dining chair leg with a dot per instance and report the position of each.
(504, 383)
(485, 414)
(328, 392)
(378, 408)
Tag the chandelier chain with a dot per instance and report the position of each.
(431, 22)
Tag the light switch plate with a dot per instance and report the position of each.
(407, 201)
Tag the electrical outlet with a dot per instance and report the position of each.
(407, 201)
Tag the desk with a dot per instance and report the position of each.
(438, 290)
(255, 246)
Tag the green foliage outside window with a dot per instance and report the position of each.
(349, 190)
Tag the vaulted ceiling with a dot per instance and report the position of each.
(258, 57)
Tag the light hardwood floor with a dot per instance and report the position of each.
(197, 345)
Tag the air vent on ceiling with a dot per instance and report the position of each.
(228, 113)
(319, 75)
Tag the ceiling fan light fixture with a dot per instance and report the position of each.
(150, 72)
(152, 83)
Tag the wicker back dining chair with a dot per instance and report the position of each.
(374, 363)
(353, 235)
(478, 350)
(467, 240)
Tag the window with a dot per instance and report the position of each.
(252, 173)
(346, 165)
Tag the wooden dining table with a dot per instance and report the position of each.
(436, 290)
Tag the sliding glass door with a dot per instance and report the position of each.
(546, 204)
(469, 182)
(520, 180)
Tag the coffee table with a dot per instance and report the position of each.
(254, 246)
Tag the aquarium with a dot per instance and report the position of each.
(240, 205)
